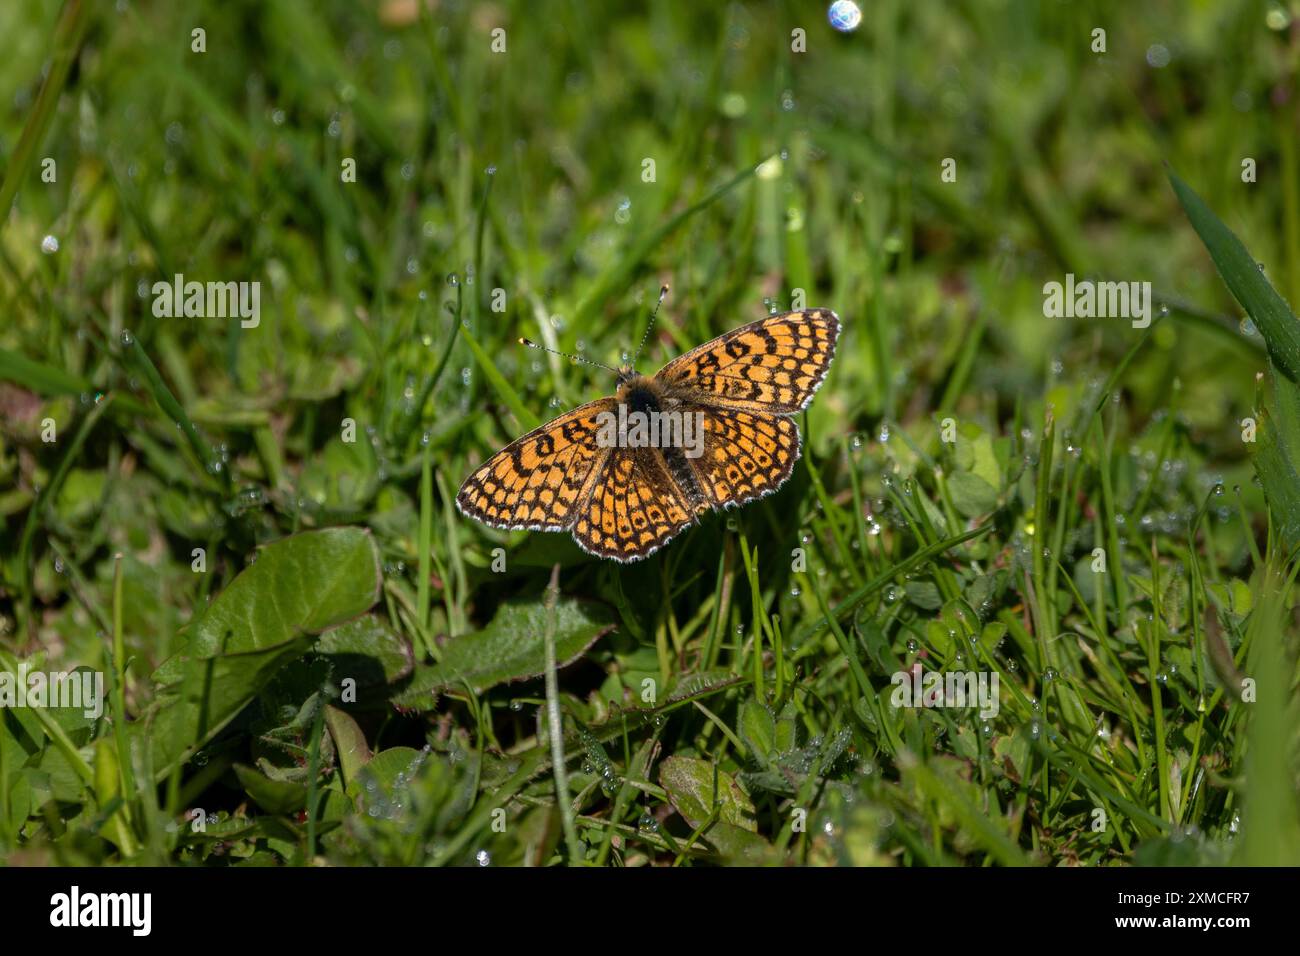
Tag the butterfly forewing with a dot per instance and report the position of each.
(540, 481)
(772, 365)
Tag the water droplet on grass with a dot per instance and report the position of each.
(844, 15)
(1158, 56)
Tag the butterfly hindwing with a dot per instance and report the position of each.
(772, 365)
(746, 455)
(634, 508)
(540, 481)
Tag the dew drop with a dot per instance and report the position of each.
(844, 15)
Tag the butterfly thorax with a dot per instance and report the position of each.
(640, 393)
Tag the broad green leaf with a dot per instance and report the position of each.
(349, 742)
(302, 584)
(787, 729)
(758, 729)
(689, 783)
(972, 496)
(510, 648)
(268, 616)
(1248, 285)
(937, 636)
(1234, 596)
(367, 651)
(20, 803)
(208, 693)
(388, 774)
(273, 796)
(740, 846)
(924, 594)
(1013, 748)
(975, 454)
(394, 767)
(63, 782)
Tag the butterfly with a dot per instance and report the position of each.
(598, 472)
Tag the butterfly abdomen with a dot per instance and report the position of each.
(644, 396)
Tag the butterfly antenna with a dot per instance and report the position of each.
(568, 355)
(663, 294)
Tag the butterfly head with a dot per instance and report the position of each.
(627, 374)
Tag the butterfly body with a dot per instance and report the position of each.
(712, 429)
(641, 393)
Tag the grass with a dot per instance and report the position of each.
(1070, 504)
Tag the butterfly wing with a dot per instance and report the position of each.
(746, 455)
(773, 365)
(634, 508)
(540, 481)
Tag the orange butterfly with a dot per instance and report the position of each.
(711, 429)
